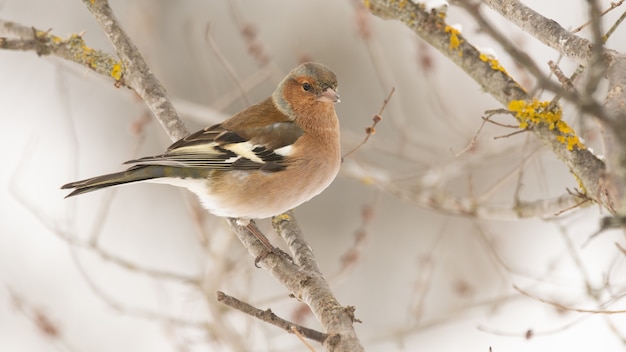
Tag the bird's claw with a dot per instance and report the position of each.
(273, 250)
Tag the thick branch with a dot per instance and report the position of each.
(433, 29)
(547, 31)
(315, 292)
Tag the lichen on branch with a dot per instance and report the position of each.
(72, 49)
(535, 112)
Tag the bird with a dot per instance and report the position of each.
(261, 162)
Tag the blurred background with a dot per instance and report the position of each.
(118, 270)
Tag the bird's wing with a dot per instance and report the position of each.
(216, 147)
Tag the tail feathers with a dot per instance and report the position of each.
(134, 174)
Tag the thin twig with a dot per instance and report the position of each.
(295, 331)
(577, 194)
(613, 6)
(615, 25)
(567, 308)
(269, 317)
(351, 257)
(370, 130)
(511, 134)
(566, 82)
(472, 143)
(490, 114)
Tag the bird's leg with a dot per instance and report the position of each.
(251, 226)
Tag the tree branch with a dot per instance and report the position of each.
(603, 63)
(71, 49)
(493, 79)
(269, 317)
(547, 31)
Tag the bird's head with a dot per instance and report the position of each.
(305, 88)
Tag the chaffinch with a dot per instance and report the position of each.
(261, 162)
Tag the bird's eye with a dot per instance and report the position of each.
(306, 86)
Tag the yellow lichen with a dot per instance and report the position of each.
(75, 49)
(541, 113)
(495, 65)
(455, 41)
(282, 217)
(116, 71)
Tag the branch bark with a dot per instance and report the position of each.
(269, 317)
(315, 291)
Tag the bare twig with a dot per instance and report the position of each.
(512, 134)
(301, 338)
(617, 23)
(612, 7)
(351, 257)
(269, 317)
(490, 113)
(567, 308)
(565, 81)
(531, 333)
(370, 130)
